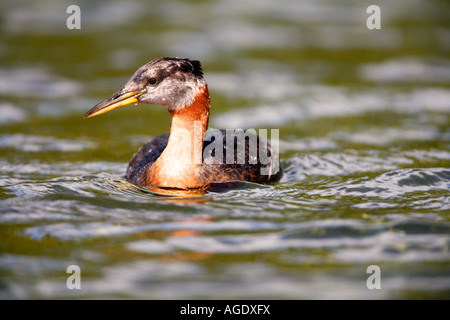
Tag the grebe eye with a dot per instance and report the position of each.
(152, 81)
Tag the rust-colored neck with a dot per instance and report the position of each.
(193, 118)
(178, 164)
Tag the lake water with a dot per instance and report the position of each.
(363, 119)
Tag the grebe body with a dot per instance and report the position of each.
(187, 158)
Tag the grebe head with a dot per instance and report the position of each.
(172, 82)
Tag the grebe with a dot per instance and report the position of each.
(172, 160)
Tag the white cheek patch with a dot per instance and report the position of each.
(182, 94)
(174, 94)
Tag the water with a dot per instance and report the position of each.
(364, 140)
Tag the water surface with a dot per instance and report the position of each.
(364, 141)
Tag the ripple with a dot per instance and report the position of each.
(410, 238)
(307, 144)
(313, 102)
(407, 70)
(33, 143)
(337, 164)
(132, 278)
(50, 18)
(30, 265)
(149, 246)
(61, 169)
(35, 83)
(284, 82)
(394, 184)
(386, 136)
(69, 231)
(10, 113)
(427, 155)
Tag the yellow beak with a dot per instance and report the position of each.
(114, 102)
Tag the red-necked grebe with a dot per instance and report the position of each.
(172, 160)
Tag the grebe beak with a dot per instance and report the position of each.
(115, 101)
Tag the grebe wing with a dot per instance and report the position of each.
(145, 157)
(245, 171)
